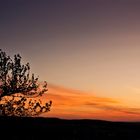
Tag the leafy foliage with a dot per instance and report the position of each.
(21, 106)
(17, 89)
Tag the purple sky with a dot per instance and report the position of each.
(87, 45)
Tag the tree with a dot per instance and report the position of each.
(19, 91)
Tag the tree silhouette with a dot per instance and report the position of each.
(18, 91)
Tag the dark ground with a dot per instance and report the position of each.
(42, 129)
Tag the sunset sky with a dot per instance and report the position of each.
(87, 50)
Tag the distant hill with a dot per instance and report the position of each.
(14, 128)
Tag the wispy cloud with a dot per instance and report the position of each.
(69, 103)
(118, 108)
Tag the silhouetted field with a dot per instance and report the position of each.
(13, 128)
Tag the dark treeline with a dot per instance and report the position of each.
(52, 128)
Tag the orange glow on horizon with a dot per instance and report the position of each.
(74, 104)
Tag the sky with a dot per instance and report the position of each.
(91, 46)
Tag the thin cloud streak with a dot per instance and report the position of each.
(135, 111)
(72, 104)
